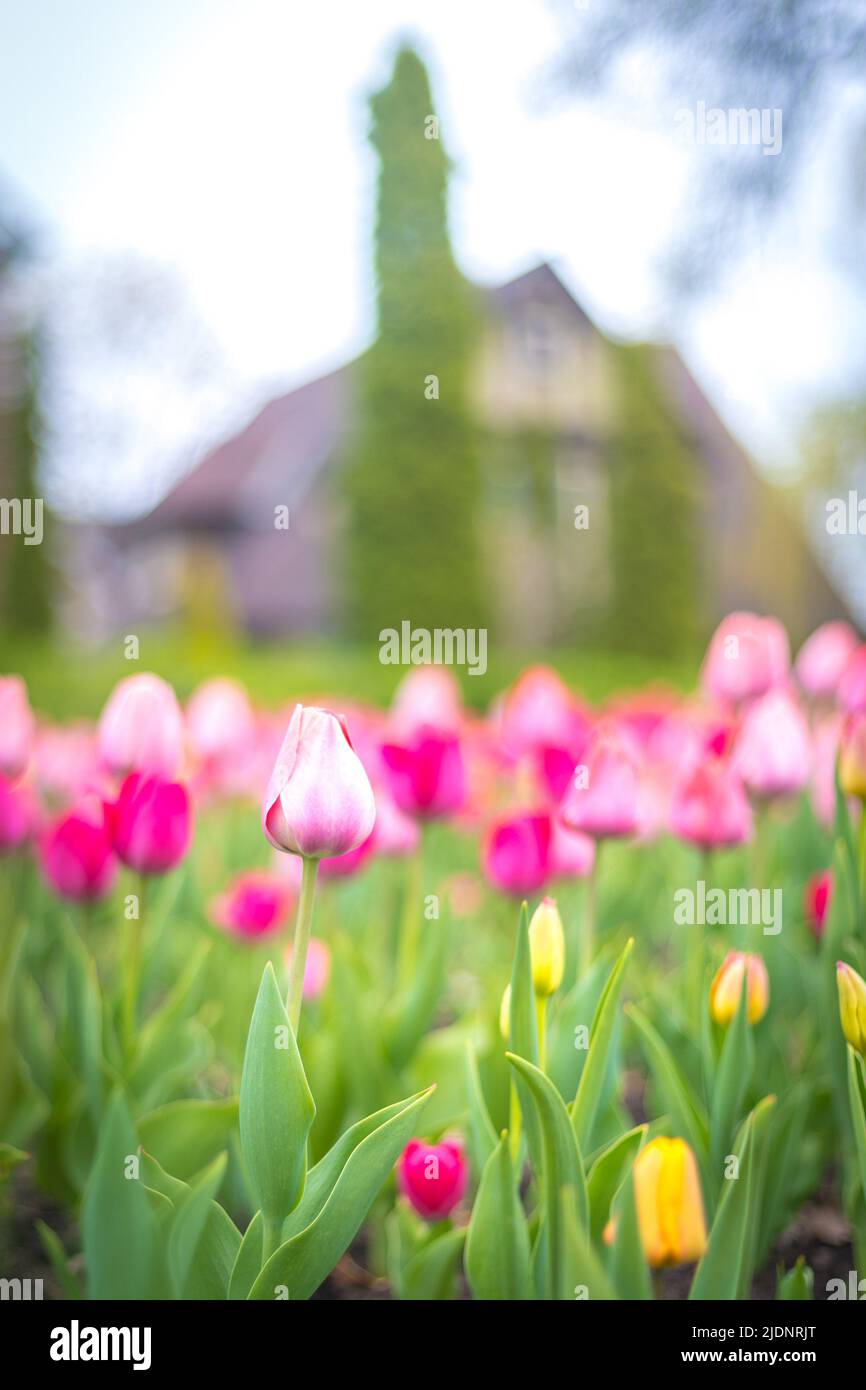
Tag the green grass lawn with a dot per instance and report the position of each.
(68, 681)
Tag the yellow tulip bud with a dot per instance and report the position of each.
(670, 1209)
(546, 948)
(727, 987)
(852, 1005)
(505, 1014)
(852, 756)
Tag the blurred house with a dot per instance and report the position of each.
(545, 397)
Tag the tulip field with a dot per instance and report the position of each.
(553, 1000)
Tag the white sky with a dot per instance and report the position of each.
(225, 139)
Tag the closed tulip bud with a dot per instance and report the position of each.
(16, 726)
(727, 987)
(747, 656)
(670, 1209)
(254, 905)
(505, 1014)
(547, 948)
(852, 1005)
(852, 756)
(516, 853)
(427, 776)
(77, 854)
(822, 659)
(151, 824)
(141, 728)
(319, 802)
(433, 1177)
(816, 901)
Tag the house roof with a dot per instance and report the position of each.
(296, 433)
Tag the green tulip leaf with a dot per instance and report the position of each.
(117, 1223)
(562, 1167)
(585, 1104)
(185, 1135)
(276, 1107)
(497, 1246)
(606, 1174)
(724, 1271)
(301, 1263)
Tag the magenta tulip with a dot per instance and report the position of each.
(255, 904)
(747, 656)
(433, 1177)
(822, 659)
(773, 752)
(77, 854)
(428, 697)
(816, 901)
(16, 726)
(141, 728)
(151, 823)
(427, 777)
(319, 802)
(516, 853)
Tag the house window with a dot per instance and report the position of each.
(539, 336)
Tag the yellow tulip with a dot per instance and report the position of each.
(852, 1005)
(852, 757)
(546, 948)
(670, 1209)
(505, 1014)
(727, 987)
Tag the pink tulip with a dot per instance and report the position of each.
(77, 854)
(572, 855)
(603, 797)
(16, 726)
(516, 853)
(710, 808)
(825, 746)
(427, 777)
(319, 802)
(18, 815)
(747, 656)
(540, 712)
(773, 751)
(433, 1177)
(255, 904)
(151, 823)
(394, 834)
(816, 901)
(141, 728)
(822, 659)
(66, 764)
(851, 692)
(428, 697)
(317, 967)
(220, 721)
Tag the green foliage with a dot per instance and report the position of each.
(655, 562)
(411, 478)
(26, 577)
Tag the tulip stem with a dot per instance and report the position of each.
(132, 972)
(303, 923)
(541, 1017)
(862, 854)
(411, 924)
(587, 940)
(272, 1230)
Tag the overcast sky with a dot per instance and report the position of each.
(226, 142)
